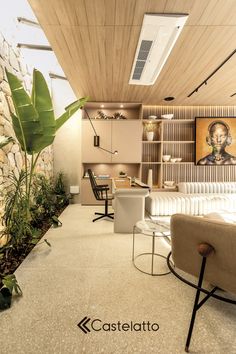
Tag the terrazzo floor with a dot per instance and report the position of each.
(88, 272)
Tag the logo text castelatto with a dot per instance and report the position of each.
(98, 325)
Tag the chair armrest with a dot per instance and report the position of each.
(102, 188)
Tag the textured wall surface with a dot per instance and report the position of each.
(11, 156)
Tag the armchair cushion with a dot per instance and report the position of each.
(187, 232)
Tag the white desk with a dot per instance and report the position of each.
(129, 204)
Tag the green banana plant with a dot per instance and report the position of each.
(34, 122)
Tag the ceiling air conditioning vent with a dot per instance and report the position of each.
(158, 35)
(141, 59)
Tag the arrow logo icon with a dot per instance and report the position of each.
(82, 325)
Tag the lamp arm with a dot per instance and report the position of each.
(111, 152)
(97, 137)
(90, 121)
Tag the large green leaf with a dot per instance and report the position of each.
(34, 122)
(70, 110)
(43, 103)
(26, 122)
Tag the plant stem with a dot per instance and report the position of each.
(33, 164)
(26, 172)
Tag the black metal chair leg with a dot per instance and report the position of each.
(110, 215)
(195, 306)
(100, 217)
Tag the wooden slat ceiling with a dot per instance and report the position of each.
(95, 42)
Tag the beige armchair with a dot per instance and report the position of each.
(206, 249)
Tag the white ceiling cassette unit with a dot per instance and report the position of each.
(158, 35)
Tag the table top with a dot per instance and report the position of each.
(125, 183)
(156, 228)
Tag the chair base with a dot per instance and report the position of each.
(103, 215)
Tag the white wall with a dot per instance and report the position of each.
(67, 144)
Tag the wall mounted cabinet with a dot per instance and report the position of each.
(123, 135)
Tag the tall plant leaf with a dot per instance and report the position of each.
(43, 103)
(26, 122)
(34, 122)
(70, 110)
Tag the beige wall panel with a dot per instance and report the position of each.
(126, 138)
(90, 153)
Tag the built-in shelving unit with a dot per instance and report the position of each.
(176, 137)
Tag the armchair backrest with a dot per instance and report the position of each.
(187, 232)
(99, 192)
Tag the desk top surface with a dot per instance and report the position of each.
(124, 183)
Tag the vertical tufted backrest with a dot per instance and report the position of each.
(207, 187)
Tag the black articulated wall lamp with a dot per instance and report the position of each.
(96, 138)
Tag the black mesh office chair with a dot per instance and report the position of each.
(100, 192)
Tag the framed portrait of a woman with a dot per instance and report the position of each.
(215, 141)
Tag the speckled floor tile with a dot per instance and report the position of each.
(89, 272)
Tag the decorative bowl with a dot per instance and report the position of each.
(169, 183)
(167, 116)
(173, 160)
(152, 117)
(166, 158)
(178, 159)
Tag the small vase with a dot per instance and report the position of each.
(150, 136)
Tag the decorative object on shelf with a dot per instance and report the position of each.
(169, 185)
(167, 116)
(119, 115)
(150, 129)
(116, 115)
(152, 117)
(96, 140)
(213, 136)
(173, 160)
(150, 178)
(166, 158)
(179, 159)
(132, 182)
(122, 174)
(150, 136)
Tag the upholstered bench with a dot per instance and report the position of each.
(196, 198)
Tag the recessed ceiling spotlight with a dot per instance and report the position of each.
(170, 98)
(121, 106)
(102, 106)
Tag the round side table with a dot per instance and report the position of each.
(154, 230)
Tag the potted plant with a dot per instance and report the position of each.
(150, 130)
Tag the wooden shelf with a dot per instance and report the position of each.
(178, 163)
(151, 163)
(146, 120)
(178, 142)
(178, 120)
